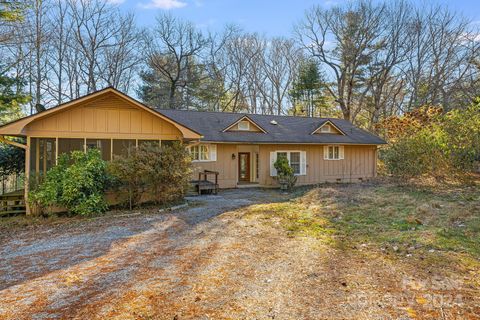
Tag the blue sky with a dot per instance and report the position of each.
(269, 17)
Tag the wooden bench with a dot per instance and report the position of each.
(203, 184)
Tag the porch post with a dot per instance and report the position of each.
(56, 151)
(27, 176)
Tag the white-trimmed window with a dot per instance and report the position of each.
(244, 125)
(333, 152)
(325, 129)
(203, 152)
(296, 159)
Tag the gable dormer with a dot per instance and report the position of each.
(244, 124)
(328, 127)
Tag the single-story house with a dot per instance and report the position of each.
(241, 147)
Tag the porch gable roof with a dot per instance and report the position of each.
(16, 127)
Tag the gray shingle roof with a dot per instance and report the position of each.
(289, 129)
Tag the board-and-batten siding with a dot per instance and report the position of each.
(225, 165)
(359, 162)
(109, 117)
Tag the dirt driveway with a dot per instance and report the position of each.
(205, 262)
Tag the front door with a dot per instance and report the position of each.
(244, 166)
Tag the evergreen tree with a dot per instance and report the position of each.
(11, 99)
(307, 91)
(11, 89)
(193, 90)
(11, 10)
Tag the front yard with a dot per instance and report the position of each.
(369, 251)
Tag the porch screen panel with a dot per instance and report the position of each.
(168, 143)
(123, 147)
(104, 145)
(66, 145)
(155, 143)
(42, 155)
(33, 155)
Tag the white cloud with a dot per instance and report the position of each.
(163, 4)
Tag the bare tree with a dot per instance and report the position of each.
(61, 35)
(121, 60)
(443, 55)
(37, 39)
(385, 83)
(254, 79)
(241, 52)
(218, 66)
(343, 39)
(281, 65)
(172, 48)
(65, 49)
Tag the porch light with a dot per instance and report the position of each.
(233, 156)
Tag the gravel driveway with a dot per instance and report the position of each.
(210, 261)
(87, 268)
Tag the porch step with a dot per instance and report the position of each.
(248, 185)
(12, 203)
(13, 212)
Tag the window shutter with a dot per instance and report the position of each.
(341, 152)
(325, 152)
(213, 152)
(273, 158)
(303, 163)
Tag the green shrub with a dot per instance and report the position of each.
(127, 177)
(418, 154)
(12, 159)
(285, 174)
(463, 129)
(160, 173)
(448, 144)
(76, 183)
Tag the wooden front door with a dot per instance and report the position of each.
(244, 166)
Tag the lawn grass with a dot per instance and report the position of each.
(432, 224)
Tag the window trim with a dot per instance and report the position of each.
(340, 153)
(299, 162)
(289, 152)
(211, 151)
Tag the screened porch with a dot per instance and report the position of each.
(44, 150)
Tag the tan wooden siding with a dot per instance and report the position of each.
(109, 117)
(224, 164)
(359, 162)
